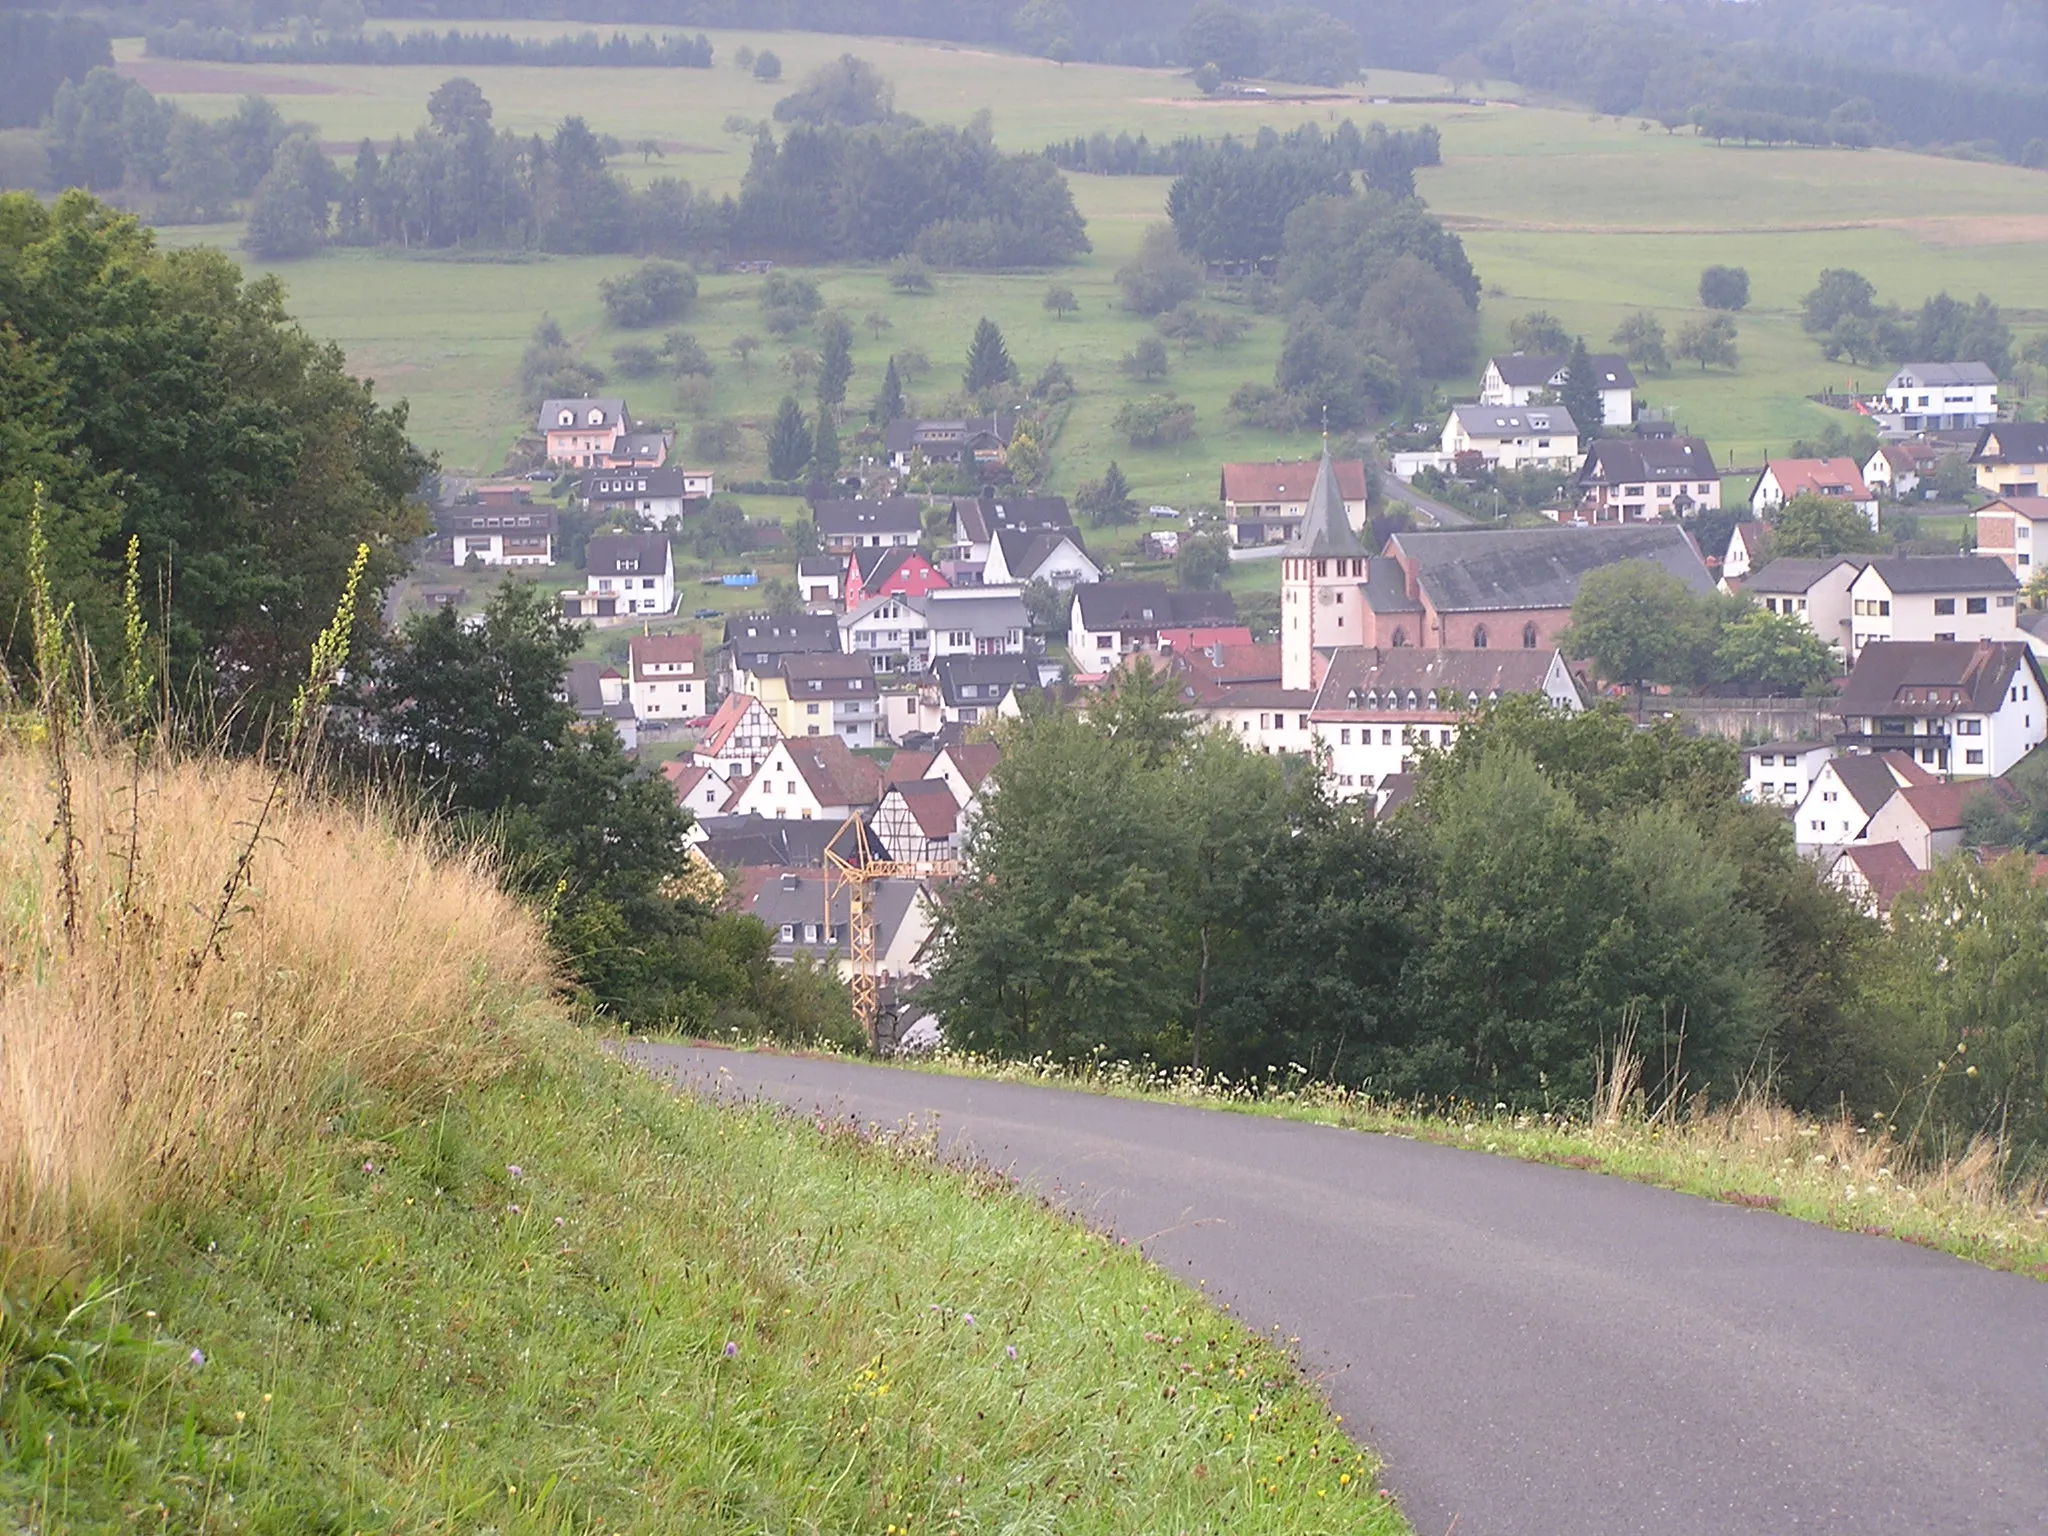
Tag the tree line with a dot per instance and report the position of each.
(1842, 309)
(40, 53)
(1383, 153)
(1565, 892)
(584, 50)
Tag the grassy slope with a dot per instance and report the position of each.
(569, 1303)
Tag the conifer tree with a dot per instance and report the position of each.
(890, 404)
(825, 449)
(1581, 392)
(835, 367)
(789, 441)
(988, 359)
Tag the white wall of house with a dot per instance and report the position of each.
(1779, 775)
(664, 691)
(1266, 730)
(1825, 606)
(781, 793)
(1518, 450)
(1829, 818)
(1877, 614)
(1939, 406)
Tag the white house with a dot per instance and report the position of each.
(889, 523)
(1055, 556)
(667, 676)
(1963, 709)
(811, 778)
(1509, 437)
(1933, 397)
(2015, 529)
(699, 787)
(1898, 469)
(973, 621)
(1112, 619)
(661, 496)
(791, 904)
(1781, 772)
(1265, 503)
(965, 769)
(971, 690)
(1933, 597)
(821, 581)
(1833, 479)
(1817, 591)
(1644, 479)
(739, 738)
(1843, 794)
(499, 533)
(1926, 820)
(1744, 553)
(889, 630)
(920, 821)
(625, 574)
(597, 692)
(1518, 378)
(978, 519)
(1378, 709)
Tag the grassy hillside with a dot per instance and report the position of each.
(339, 1227)
(1588, 217)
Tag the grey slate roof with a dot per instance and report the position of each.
(1515, 568)
(1452, 675)
(1107, 605)
(985, 610)
(627, 554)
(612, 408)
(888, 514)
(1025, 550)
(584, 686)
(1793, 577)
(629, 484)
(1386, 588)
(1635, 460)
(1946, 573)
(982, 517)
(1941, 375)
(1535, 370)
(981, 680)
(2022, 442)
(754, 839)
(1867, 779)
(1497, 421)
(821, 565)
(1326, 527)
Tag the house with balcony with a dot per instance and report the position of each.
(1956, 708)
(2011, 459)
(978, 520)
(1506, 437)
(1932, 597)
(964, 690)
(1055, 556)
(661, 496)
(982, 442)
(494, 533)
(1934, 397)
(625, 574)
(1265, 503)
(584, 432)
(824, 693)
(885, 523)
(755, 643)
(974, 621)
(1647, 479)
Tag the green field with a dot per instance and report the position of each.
(1588, 217)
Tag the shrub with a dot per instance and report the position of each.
(656, 292)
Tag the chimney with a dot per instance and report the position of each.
(791, 881)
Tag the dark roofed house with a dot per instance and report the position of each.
(978, 520)
(624, 574)
(1509, 588)
(982, 441)
(968, 690)
(1111, 619)
(792, 905)
(755, 643)
(1971, 710)
(844, 526)
(920, 820)
(661, 495)
(597, 692)
(2012, 458)
(497, 533)
(1643, 479)
(734, 842)
(1519, 377)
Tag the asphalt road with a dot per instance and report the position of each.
(1433, 513)
(1536, 1351)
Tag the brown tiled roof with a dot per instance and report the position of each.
(1839, 478)
(1940, 806)
(931, 804)
(1887, 870)
(976, 760)
(2033, 508)
(835, 773)
(1290, 480)
(665, 650)
(1932, 677)
(907, 767)
(731, 710)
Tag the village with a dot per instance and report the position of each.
(865, 700)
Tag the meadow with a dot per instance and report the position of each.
(1584, 216)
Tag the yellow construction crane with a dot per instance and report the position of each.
(853, 865)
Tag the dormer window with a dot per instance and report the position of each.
(596, 417)
(566, 419)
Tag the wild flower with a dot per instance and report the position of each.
(514, 1171)
(197, 1357)
(1010, 1350)
(732, 1350)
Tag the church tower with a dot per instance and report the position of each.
(1324, 568)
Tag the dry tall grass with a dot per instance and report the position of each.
(137, 1065)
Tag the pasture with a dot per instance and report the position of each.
(1585, 216)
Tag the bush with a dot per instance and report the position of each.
(1160, 276)
(1155, 421)
(659, 291)
(1724, 287)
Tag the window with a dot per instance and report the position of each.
(810, 709)
(1976, 605)
(1387, 737)
(1969, 727)
(1400, 637)
(1949, 636)
(1974, 755)
(1344, 737)
(1528, 637)
(1944, 605)
(789, 933)
(1301, 722)
(1479, 637)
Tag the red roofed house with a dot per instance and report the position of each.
(699, 788)
(1926, 820)
(2015, 529)
(1897, 469)
(667, 676)
(965, 769)
(1832, 479)
(920, 821)
(1265, 503)
(1745, 550)
(895, 571)
(1202, 638)
(810, 778)
(739, 737)
(1876, 876)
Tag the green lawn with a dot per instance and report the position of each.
(1588, 217)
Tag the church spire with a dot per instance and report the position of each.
(1326, 530)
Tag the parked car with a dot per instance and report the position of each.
(1159, 511)
(707, 613)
